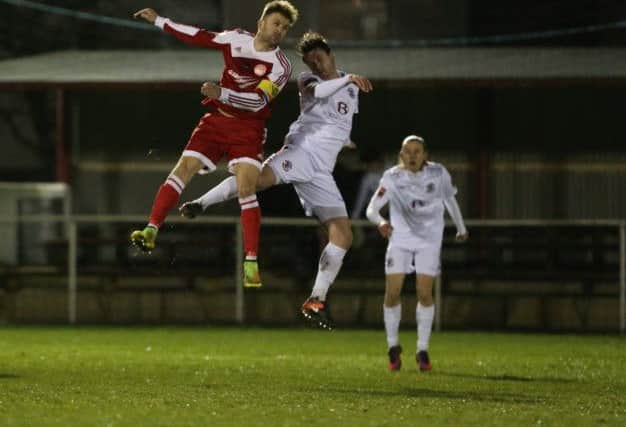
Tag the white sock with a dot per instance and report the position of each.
(424, 317)
(392, 316)
(328, 268)
(225, 190)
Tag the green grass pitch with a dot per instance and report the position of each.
(300, 377)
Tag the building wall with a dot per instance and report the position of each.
(554, 153)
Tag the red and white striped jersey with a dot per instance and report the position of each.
(250, 80)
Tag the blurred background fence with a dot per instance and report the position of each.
(523, 102)
(531, 275)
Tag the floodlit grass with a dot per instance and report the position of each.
(280, 377)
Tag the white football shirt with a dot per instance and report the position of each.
(324, 124)
(416, 204)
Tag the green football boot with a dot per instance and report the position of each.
(144, 239)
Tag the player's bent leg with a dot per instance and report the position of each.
(166, 198)
(316, 308)
(225, 190)
(246, 174)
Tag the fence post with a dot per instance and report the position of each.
(72, 253)
(239, 297)
(622, 278)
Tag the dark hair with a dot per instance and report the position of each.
(283, 7)
(311, 40)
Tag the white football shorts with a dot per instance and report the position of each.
(317, 190)
(404, 261)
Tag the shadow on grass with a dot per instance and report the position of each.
(4, 376)
(478, 396)
(505, 377)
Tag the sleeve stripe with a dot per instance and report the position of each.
(242, 102)
(265, 97)
(245, 101)
(285, 76)
(181, 28)
(286, 66)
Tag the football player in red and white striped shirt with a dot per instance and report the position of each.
(255, 71)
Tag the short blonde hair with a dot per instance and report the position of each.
(283, 7)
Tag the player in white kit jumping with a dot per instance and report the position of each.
(417, 191)
(328, 100)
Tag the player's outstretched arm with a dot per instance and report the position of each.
(328, 87)
(186, 33)
(147, 14)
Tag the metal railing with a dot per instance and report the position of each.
(72, 222)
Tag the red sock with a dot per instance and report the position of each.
(251, 224)
(165, 199)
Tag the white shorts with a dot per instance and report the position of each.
(317, 190)
(422, 261)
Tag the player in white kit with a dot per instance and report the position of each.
(417, 191)
(328, 101)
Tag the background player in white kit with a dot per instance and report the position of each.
(417, 191)
(328, 100)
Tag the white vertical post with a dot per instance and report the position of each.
(239, 297)
(438, 305)
(72, 254)
(622, 278)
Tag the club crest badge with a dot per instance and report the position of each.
(287, 165)
(430, 187)
(351, 92)
(260, 69)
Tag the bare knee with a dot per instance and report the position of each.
(425, 290)
(392, 298)
(247, 176)
(245, 189)
(340, 232)
(425, 299)
(186, 168)
(393, 288)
